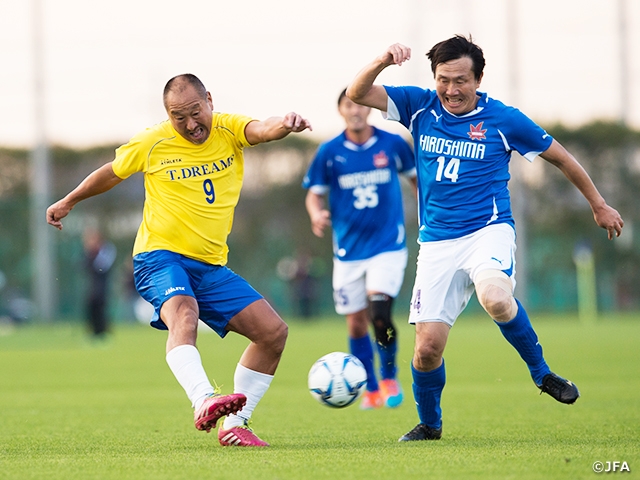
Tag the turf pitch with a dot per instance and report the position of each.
(73, 410)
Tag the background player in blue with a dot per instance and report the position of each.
(359, 171)
(463, 142)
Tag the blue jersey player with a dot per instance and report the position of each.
(463, 141)
(359, 170)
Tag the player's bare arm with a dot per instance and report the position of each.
(319, 215)
(97, 182)
(363, 91)
(604, 215)
(414, 185)
(275, 128)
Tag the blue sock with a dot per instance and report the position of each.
(387, 355)
(521, 335)
(427, 390)
(361, 348)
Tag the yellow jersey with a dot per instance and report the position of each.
(191, 191)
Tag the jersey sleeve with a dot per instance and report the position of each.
(130, 158)
(237, 124)
(405, 159)
(317, 176)
(523, 135)
(404, 102)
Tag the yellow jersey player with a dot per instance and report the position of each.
(193, 168)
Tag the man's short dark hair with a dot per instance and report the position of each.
(179, 82)
(455, 48)
(343, 94)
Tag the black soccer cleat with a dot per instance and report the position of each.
(561, 389)
(422, 432)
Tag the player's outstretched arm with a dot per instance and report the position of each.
(363, 91)
(319, 215)
(275, 128)
(97, 182)
(604, 215)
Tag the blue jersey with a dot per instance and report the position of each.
(463, 161)
(365, 199)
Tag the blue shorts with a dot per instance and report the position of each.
(220, 293)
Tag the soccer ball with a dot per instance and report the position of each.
(337, 379)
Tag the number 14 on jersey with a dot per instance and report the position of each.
(450, 170)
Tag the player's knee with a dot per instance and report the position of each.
(498, 303)
(274, 338)
(180, 315)
(380, 312)
(427, 355)
(280, 337)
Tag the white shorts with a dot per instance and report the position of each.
(446, 271)
(383, 273)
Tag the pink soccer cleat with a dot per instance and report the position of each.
(371, 400)
(391, 392)
(241, 436)
(215, 407)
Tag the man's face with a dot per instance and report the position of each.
(456, 85)
(190, 114)
(355, 116)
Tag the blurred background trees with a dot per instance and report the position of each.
(272, 245)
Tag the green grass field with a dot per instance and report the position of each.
(70, 410)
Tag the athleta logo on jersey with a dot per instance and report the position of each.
(477, 133)
(169, 161)
(380, 160)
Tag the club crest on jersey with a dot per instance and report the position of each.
(380, 160)
(476, 132)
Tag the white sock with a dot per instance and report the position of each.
(186, 365)
(253, 385)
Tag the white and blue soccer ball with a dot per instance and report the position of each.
(337, 379)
